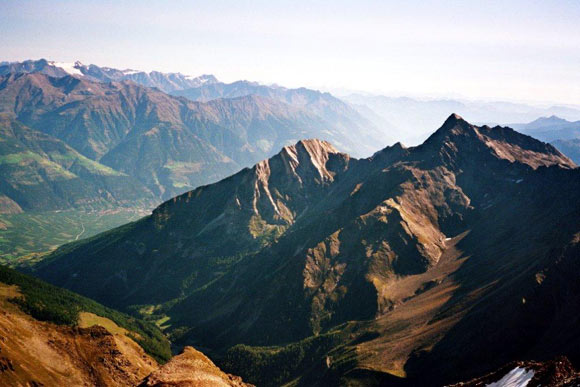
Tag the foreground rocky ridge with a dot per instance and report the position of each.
(434, 257)
(36, 351)
(191, 368)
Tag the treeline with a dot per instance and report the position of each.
(274, 366)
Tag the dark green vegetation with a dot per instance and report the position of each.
(305, 361)
(25, 237)
(312, 267)
(45, 302)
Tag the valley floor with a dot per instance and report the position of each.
(26, 237)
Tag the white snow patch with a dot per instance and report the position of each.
(131, 72)
(68, 67)
(518, 377)
(201, 79)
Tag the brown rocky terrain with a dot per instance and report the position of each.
(96, 352)
(44, 354)
(191, 369)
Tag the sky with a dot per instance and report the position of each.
(524, 50)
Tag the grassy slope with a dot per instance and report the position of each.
(45, 302)
(24, 237)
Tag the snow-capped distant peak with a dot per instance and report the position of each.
(201, 79)
(130, 72)
(69, 68)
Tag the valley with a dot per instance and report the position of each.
(26, 237)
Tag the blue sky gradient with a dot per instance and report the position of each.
(511, 50)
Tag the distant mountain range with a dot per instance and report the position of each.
(168, 144)
(166, 82)
(354, 133)
(456, 256)
(359, 134)
(563, 134)
(407, 118)
(123, 123)
(550, 129)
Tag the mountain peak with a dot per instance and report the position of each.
(311, 152)
(457, 135)
(313, 147)
(316, 145)
(453, 120)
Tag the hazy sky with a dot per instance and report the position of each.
(519, 50)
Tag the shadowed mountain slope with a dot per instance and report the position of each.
(330, 269)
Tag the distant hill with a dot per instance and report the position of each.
(570, 148)
(550, 129)
(456, 256)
